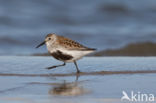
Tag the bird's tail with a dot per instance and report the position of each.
(91, 49)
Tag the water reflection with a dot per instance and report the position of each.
(69, 89)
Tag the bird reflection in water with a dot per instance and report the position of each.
(69, 89)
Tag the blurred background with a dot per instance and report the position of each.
(108, 25)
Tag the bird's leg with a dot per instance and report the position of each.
(78, 71)
(55, 66)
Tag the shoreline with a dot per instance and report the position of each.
(102, 79)
(133, 49)
(96, 73)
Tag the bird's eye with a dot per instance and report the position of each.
(49, 38)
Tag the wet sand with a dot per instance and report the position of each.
(133, 49)
(102, 79)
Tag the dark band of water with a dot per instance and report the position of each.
(82, 73)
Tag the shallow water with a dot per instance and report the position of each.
(25, 79)
(100, 24)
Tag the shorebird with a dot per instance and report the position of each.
(65, 49)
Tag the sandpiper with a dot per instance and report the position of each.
(65, 49)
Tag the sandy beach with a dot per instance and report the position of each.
(121, 70)
(25, 79)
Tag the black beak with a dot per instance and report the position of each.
(40, 44)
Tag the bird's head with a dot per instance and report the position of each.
(49, 39)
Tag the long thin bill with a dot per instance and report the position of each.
(40, 44)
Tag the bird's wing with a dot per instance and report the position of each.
(72, 45)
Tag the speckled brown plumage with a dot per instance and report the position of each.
(71, 45)
(65, 49)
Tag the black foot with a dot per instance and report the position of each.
(55, 66)
(78, 72)
(51, 67)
